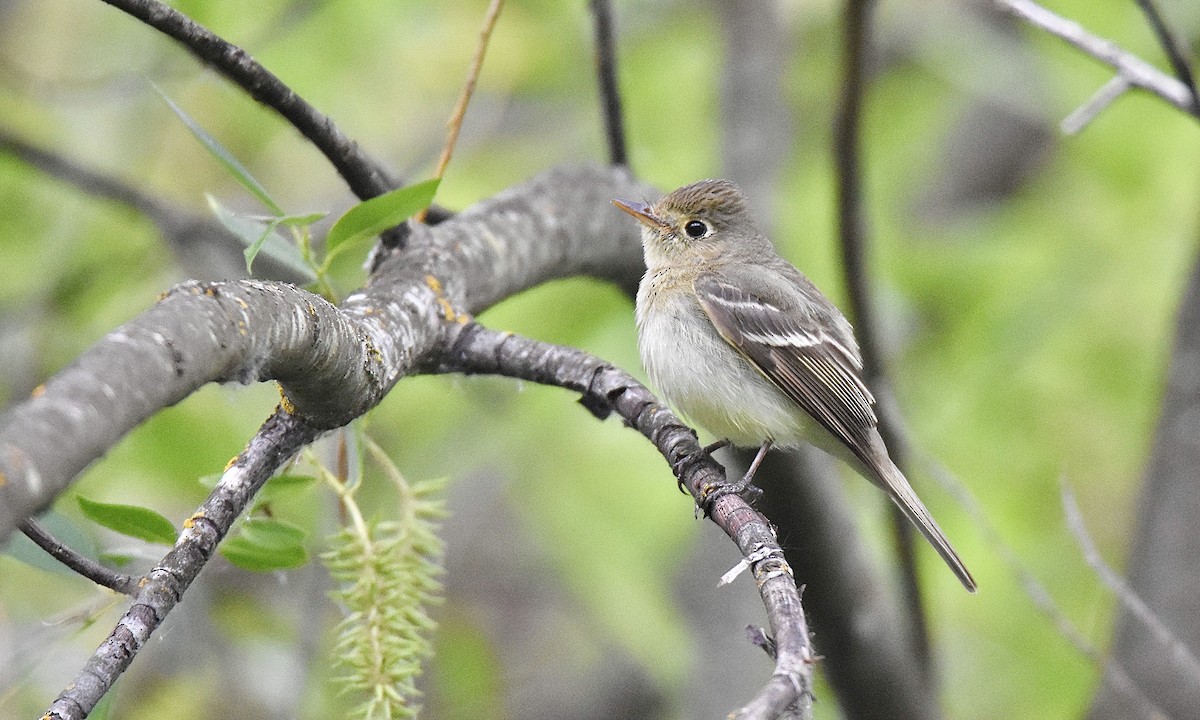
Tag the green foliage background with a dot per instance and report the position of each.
(1028, 339)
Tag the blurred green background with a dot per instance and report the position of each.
(1027, 292)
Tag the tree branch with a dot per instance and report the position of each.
(365, 177)
(605, 388)
(859, 628)
(1163, 567)
(556, 225)
(1114, 673)
(1137, 72)
(279, 438)
(852, 233)
(606, 77)
(1181, 656)
(1176, 53)
(85, 566)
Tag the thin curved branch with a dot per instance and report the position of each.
(279, 438)
(1174, 649)
(454, 124)
(474, 349)
(85, 566)
(853, 239)
(365, 176)
(1162, 566)
(606, 76)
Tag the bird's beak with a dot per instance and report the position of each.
(643, 213)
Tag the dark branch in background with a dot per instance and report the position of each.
(606, 388)
(279, 438)
(606, 76)
(203, 246)
(85, 566)
(365, 177)
(852, 232)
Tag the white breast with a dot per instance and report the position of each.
(704, 378)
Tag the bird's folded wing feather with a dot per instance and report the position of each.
(816, 369)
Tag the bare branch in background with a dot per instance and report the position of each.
(365, 177)
(203, 246)
(1113, 671)
(454, 124)
(1176, 51)
(1137, 72)
(1175, 648)
(1163, 567)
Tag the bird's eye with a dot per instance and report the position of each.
(695, 229)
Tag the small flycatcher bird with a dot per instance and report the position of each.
(742, 343)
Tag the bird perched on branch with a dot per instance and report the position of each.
(742, 343)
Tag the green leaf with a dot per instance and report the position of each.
(301, 220)
(249, 555)
(226, 158)
(281, 485)
(272, 533)
(138, 522)
(116, 560)
(371, 217)
(259, 235)
(265, 544)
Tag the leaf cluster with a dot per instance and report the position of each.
(387, 573)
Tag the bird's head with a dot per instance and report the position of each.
(695, 223)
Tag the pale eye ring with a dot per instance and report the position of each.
(695, 229)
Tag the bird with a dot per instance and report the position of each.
(743, 344)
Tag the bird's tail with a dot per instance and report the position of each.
(897, 487)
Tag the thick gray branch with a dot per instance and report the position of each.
(556, 225)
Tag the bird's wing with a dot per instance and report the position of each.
(816, 365)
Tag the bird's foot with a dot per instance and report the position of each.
(744, 487)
